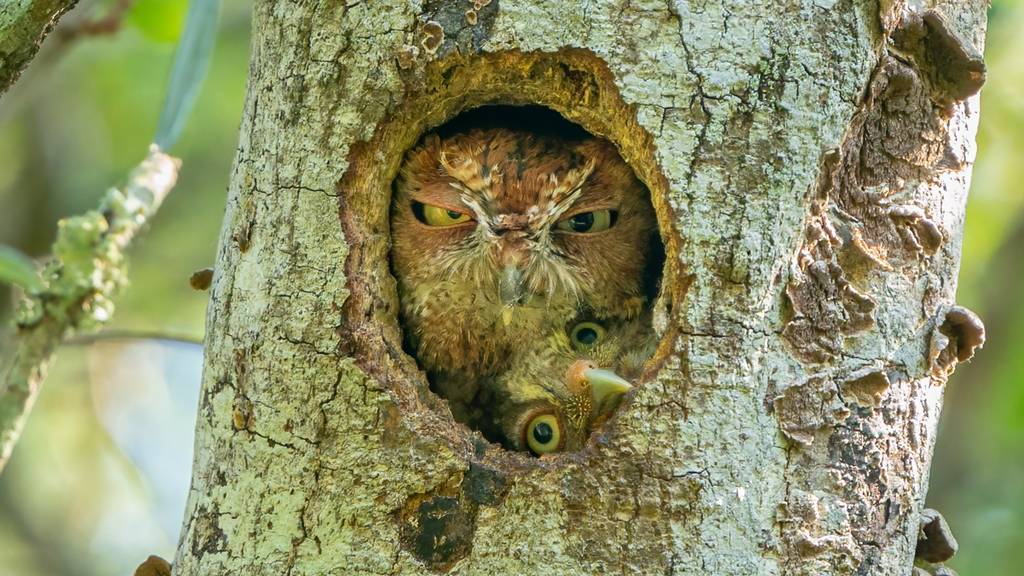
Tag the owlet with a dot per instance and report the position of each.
(563, 387)
(501, 235)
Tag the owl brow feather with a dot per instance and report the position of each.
(561, 273)
(471, 257)
(471, 177)
(562, 196)
(478, 210)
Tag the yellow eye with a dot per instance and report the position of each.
(544, 434)
(437, 216)
(588, 222)
(586, 335)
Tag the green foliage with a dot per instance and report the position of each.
(978, 472)
(18, 269)
(191, 61)
(159, 20)
(997, 199)
(72, 502)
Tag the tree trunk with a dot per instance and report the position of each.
(809, 162)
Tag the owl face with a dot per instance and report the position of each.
(500, 235)
(568, 384)
(566, 411)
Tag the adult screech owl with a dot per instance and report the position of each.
(500, 235)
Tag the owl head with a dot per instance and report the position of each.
(566, 385)
(498, 235)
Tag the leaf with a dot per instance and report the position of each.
(16, 268)
(159, 20)
(191, 61)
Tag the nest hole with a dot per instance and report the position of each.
(528, 259)
(568, 96)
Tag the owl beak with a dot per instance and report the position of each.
(605, 386)
(510, 287)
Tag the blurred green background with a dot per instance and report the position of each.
(99, 478)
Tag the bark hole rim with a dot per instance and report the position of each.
(573, 83)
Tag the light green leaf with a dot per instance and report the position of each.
(16, 268)
(159, 20)
(191, 61)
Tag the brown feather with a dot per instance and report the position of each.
(516, 186)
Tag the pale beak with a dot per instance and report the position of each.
(510, 286)
(605, 386)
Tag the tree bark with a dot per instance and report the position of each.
(809, 162)
(23, 25)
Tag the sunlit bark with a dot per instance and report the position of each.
(809, 162)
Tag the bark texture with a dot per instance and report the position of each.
(23, 25)
(809, 162)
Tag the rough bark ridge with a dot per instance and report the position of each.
(809, 161)
(23, 25)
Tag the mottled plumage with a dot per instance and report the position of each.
(576, 375)
(500, 236)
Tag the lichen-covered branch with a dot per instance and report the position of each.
(23, 25)
(86, 271)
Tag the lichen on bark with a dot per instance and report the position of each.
(78, 284)
(23, 25)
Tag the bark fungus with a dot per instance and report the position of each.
(937, 543)
(201, 279)
(958, 333)
(154, 566)
(899, 140)
(864, 221)
(808, 166)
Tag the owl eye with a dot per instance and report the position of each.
(437, 216)
(543, 434)
(586, 335)
(588, 222)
